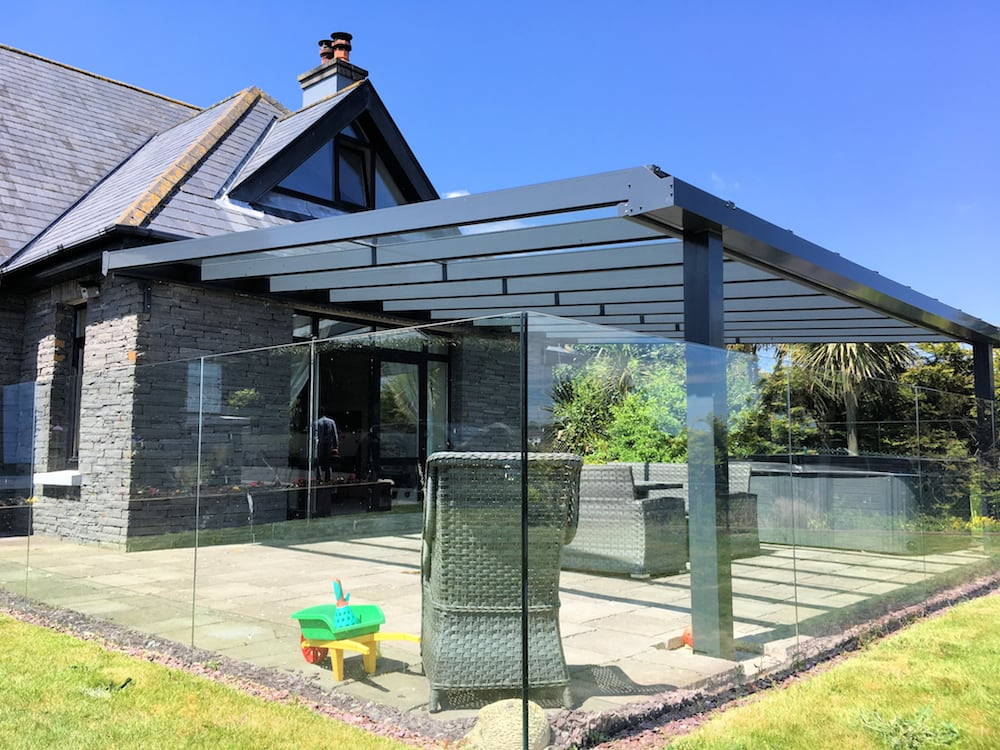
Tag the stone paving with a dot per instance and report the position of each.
(620, 635)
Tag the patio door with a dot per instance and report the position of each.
(412, 418)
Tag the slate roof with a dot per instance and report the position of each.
(169, 185)
(84, 157)
(291, 127)
(61, 130)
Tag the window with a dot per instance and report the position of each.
(353, 174)
(341, 173)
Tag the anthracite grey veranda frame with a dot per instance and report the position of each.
(625, 269)
(635, 249)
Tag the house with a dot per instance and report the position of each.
(142, 238)
(138, 231)
(92, 165)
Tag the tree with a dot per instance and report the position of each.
(844, 371)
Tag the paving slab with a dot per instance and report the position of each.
(615, 629)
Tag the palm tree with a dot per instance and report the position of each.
(844, 371)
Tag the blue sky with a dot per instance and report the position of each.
(869, 128)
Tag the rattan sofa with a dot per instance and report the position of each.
(741, 519)
(471, 570)
(623, 530)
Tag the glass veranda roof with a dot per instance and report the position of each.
(606, 248)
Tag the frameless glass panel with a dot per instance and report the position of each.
(618, 401)
(88, 551)
(620, 508)
(17, 442)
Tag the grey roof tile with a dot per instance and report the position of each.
(61, 130)
(134, 182)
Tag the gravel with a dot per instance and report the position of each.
(637, 726)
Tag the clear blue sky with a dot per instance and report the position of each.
(870, 128)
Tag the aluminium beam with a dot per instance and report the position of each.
(647, 255)
(431, 293)
(707, 446)
(781, 253)
(630, 191)
(391, 250)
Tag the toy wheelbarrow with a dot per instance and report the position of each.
(341, 627)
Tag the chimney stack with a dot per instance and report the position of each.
(335, 71)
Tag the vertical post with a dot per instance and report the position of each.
(983, 388)
(313, 416)
(197, 495)
(523, 397)
(986, 417)
(708, 470)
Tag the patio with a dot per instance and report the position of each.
(620, 636)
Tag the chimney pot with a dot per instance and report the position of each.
(341, 45)
(335, 71)
(325, 51)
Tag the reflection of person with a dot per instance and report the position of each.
(367, 453)
(327, 446)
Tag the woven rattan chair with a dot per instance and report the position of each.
(625, 531)
(471, 570)
(741, 521)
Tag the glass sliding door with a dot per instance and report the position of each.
(400, 400)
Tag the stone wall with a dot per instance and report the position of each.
(15, 416)
(152, 516)
(11, 336)
(486, 392)
(94, 511)
(138, 423)
(242, 399)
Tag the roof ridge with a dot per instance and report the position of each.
(99, 77)
(156, 194)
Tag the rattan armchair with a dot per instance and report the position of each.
(471, 570)
(741, 519)
(626, 531)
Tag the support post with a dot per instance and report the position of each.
(983, 387)
(986, 410)
(708, 471)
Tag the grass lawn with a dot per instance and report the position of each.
(60, 692)
(934, 684)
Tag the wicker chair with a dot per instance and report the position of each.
(741, 522)
(471, 570)
(625, 531)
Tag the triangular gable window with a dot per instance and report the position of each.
(344, 173)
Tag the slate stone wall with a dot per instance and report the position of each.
(11, 337)
(95, 511)
(138, 422)
(486, 392)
